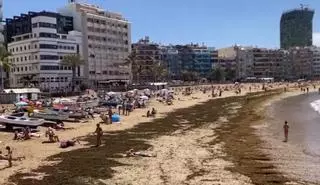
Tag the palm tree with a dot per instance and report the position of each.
(73, 61)
(159, 72)
(4, 63)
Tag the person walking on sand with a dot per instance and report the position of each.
(286, 131)
(99, 134)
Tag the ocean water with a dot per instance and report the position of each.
(300, 157)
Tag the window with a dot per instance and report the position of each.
(21, 59)
(18, 69)
(26, 68)
(25, 47)
(36, 57)
(35, 46)
(48, 35)
(29, 57)
(49, 57)
(72, 47)
(21, 69)
(12, 49)
(34, 25)
(47, 25)
(17, 49)
(48, 46)
(63, 37)
(18, 59)
(49, 68)
(30, 68)
(42, 79)
(20, 48)
(29, 46)
(65, 47)
(52, 79)
(25, 58)
(35, 35)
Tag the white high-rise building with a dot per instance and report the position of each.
(38, 41)
(106, 43)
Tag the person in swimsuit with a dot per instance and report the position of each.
(99, 135)
(286, 131)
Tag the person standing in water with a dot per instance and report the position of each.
(286, 131)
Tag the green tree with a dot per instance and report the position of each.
(73, 61)
(159, 72)
(5, 65)
(189, 76)
(230, 74)
(217, 74)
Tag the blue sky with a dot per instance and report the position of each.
(218, 23)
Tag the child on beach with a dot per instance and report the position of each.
(286, 131)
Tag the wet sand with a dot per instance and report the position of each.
(212, 143)
(299, 158)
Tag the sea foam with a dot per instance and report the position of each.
(316, 105)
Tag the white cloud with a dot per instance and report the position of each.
(316, 39)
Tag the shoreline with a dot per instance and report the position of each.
(116, 129)
(290, 158)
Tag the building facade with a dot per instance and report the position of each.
(170, 55)
(269, 63)
(238, 59)
(296, 28)
(106, 43)
(147, 58)
(315, 62)
(38, 41)
(301, 59)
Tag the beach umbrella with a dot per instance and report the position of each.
(144, 97)
(58, 106)
(21, 103)
(111, 93)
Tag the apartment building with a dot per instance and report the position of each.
(170, 55)
(269, 63)
(296, 28)
(238, 59)
(301, 59)
(106, 43)
(38, 41)
(147, 56)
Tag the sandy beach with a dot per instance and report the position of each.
(186, 149)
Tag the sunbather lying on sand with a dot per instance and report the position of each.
(131, 153)
(67, 143)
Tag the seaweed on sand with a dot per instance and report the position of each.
(88, 165)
